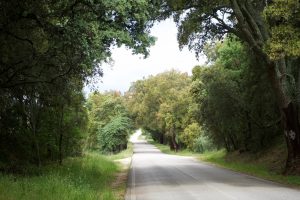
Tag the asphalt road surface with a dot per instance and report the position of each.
(155, 175)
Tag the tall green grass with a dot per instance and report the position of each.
(85, 178)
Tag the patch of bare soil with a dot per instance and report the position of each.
(120, 181)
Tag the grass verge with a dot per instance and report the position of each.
(123, 159)
(236, 163)
(123, 154)
(84, 178)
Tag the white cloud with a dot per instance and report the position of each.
(164, 55)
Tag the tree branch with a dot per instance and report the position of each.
(244, 26)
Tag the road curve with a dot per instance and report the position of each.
(155, 175)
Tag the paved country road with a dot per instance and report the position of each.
(155, 175)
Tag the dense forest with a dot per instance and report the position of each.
(246, 95)
(49, 50)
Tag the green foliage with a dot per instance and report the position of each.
(195, 139)
(126, 153)
(271, 31)
(189, 134)
(48, 51)
(203, 144)
(159, 105)
(284, 18)
(110, 125)
(41, 41)
(38, 127)
(113, 137)
(228, 104)
(230, 107)
(86, 178)
(235, 105)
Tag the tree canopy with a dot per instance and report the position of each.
(269, 29)
(48, 51)
(159, 103)
(110, 125)
(241, 99)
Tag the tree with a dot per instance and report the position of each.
(203, 21)
(113, 137)
(42, 41)
(284, 19)
(159, 105)
(36, 129)
(48, 50)
(190, 133)
(236, 107)
(110, 125)
(173, 113)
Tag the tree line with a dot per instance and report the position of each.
(224, 104)
(49, 50)
(270, 29)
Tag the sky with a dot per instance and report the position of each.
(164, 55)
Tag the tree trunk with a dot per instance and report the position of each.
(226, 144)
(249, 132)
(37, 146)
(161, 139)
(253, 30)
(289, 117)
(173, 143)
(60, 142)
(292, 137)
(33, 123)
(60, 148)
(235, 147)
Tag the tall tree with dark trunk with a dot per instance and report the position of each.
(203, 21)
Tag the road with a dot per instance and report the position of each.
(155, 175)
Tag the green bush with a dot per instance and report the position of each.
(189, 134)
(113, 136)
(202, 144)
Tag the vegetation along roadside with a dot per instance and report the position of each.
(93, 176)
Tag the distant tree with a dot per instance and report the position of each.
(159, 105)
(113, 137)
(190, 134)
(110, 125)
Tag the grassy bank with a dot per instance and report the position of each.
(262, 166)
(119, 184)
(86, 178)
(123, 154)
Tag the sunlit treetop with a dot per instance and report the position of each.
(284, 19)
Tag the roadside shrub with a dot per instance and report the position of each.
(202, 144)
(113, 136)
(189, 134)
